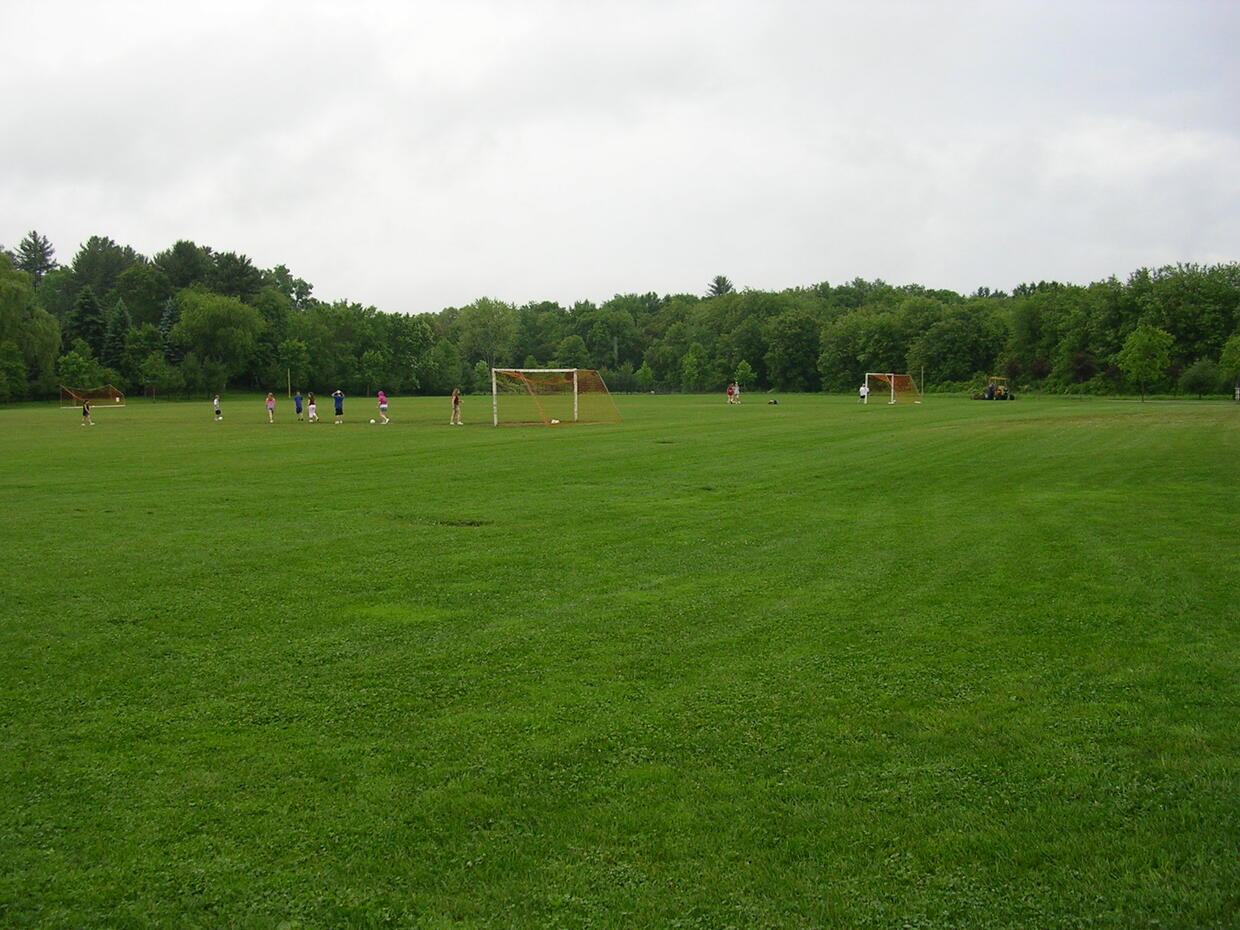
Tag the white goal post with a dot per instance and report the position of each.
(550, 396)
(897, 388)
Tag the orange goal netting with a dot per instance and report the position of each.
(99, 397)
(550, 396)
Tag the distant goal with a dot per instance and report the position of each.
(893, 388)
(99, 397)
(550, 397)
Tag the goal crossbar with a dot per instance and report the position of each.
(550, 396)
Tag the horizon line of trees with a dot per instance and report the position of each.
(191, 320)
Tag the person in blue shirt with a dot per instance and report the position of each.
(297, 403)
(338, 397)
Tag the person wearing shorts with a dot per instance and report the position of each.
(216, 404)
(297, 404)
(338, 397)
(271, 407)
(312, 408)
(383, 407)
(86, 420)
(456, 408)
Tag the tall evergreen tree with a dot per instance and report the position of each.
(112, 354)
(86, 320)
(719, 286)
(35, 256)
(100, 261)
(170, 317)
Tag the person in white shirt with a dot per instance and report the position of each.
(865, 392)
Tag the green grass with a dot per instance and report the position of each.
(814, 665)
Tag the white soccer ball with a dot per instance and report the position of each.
(372, 421)
(555, 421)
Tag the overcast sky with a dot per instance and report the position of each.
(417, 155)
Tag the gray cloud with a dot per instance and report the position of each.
(420, 155)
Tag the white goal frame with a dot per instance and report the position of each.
(890, 378)
(593, 381)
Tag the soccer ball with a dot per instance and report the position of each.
(555, 421)
(372, 421)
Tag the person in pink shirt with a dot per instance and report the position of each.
(271, 407)
(383, 407)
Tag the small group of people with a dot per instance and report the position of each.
(311, 410)
(734, 392)
(308, 406)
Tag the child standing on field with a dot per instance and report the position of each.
(271, 407)
(383, 407)
(731, 389)
(216, 404)
(86, 420)
(864, 392)
(456, 408)
(338, 397)
(297, 404)
(312, 409)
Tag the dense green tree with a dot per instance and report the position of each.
(295, 289)
(293, 358)
(719, 285)
(481, 377)
(58, 292)
(185, 264)
(78, 368)
(39, 338)
(441, 370)
(572, 353)
(157, 377)
(145, 289)
(100, 262)
(15, 297)
(644, 378)
(1200, 378)
(87, 321)
(1145, 355)
(792, 355)
(1229, 358)
(14, 381)
(112, 353)
(234, 275)
(696, 372)
(36, 257)
(488, 330)
(744, 374)
(373, 368)
(139, 344)
(221, 332)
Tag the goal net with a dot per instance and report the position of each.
(893, 388)
(99, 397)
(550, 396)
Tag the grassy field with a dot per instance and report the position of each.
(814, 665)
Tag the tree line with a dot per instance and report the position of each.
(191, 320)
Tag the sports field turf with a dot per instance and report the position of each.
(813, 665)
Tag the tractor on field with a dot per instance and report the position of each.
(996, 389)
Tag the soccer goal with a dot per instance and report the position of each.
(550, 396)
(99, 397)
(898, 389)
